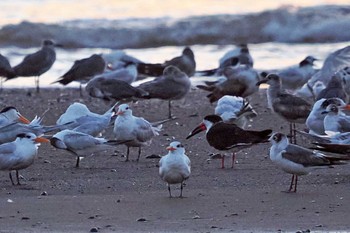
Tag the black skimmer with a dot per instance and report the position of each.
(186, 63)
(172, 85)
(83, 70)
(137, 131)
(19, 154)
(291, 108)
(37, 63)
(175, 167)
(229, 137)
(295, 159)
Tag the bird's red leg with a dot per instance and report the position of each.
(291, 184)
(233, 159)
(223, 161)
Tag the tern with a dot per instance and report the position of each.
(37, 63)
(228, 137)
(19, 154)
(335, 120)
(10, 115)
(295, 159)
(172, 85)
(175, 167)
(136, 131)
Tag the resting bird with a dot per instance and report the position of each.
(175, 167)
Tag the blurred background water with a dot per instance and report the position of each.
(279, 33)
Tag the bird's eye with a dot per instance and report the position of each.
(275, 138)
(180, 145)
(127, 108)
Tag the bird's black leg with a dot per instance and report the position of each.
(294, 134)
(182, 187)
(11, 178)
(169, 190)
(169, 108)
(223, 161)
(17, 176)
(233, 159)
(37, 84)
(138, 157)
(127, 155)
(77, 163)
(295, 183)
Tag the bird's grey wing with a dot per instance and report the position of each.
(143, 131)
(158, 88)
(303, 156)
(7, 149)
(344, 123)
(80, 141)
(292, 107)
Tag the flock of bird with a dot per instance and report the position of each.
(299, 94)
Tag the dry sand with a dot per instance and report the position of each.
(107, 194)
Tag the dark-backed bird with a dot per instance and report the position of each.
(295, 159)
(186, 63)
(335, 88)
(238, 81)
(241, 52)
(175, 167)
(37, 63)
(291, 108)
(83, 70)
(20, 153)
(172, 85)
(137, 131)
(229, 137)
(6, 70)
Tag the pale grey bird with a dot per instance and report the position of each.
(241, 52)
(295, 77)
(315, 120)
(295, 159)
(118, 59)
(335, 88)
(83, 70)
(9, 115)
(291, 108)
(238, 81)
(80, 144)
(335, 121)
(20, 153)
(186, 63)
(127, 73)
(137, 131)
(175, 167)
(37, 63)
(172, 85)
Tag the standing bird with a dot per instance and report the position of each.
(295, 77)
(175, 167)
(135, 130)
(186, 63)
(37, 63)
(225, 136)
(83, 70)
(172, 85)
(19, 154)
(6, 70)
(295, 159)
(291, 108)
(78, 143)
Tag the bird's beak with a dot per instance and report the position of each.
(59, 45)
(261, 81)
(40, 139)
(197, 130)
(119, 113)
(170, 148)
(23, 119)
(346, 107)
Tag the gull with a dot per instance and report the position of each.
(6, 70)
(315, 120)
(345, 76)
(186, 63)
(235, 109)
(9, 115)
(335, 121)
(295, 77)
(20, 153)
(241, 52)
(127, 73)
(175, 167)
(239, 81)
(228, 137)
(137, 131)
(334, 88)
(83, 70)
(37, 63)
(118, 59)
(79, 118)
(172, 85)
(80, 144)
(295, 159)
(291, 108)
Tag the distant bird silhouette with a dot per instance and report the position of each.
(228, 137)
(241, 52)
(37, 63)
(172, 85)
(6, 70)
(186, 63)
(83, 70)
(291, 108)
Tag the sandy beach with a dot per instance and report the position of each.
(107, 194)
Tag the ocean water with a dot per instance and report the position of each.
(279, 33)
